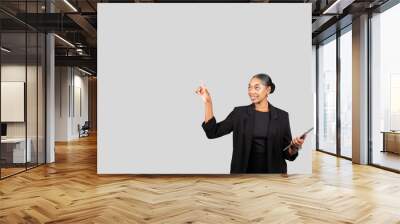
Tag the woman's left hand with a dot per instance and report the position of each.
(297, 143)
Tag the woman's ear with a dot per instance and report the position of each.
(269, 90)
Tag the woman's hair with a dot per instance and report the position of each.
(266, 80)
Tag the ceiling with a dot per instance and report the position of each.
(76, 22)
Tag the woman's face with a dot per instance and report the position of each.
(257, 90)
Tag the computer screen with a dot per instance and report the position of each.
(3, 129)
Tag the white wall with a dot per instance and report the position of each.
(149, 118)
(81, 102)
(68, 82)
(61, 103)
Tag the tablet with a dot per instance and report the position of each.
(301, 136)
(305, 133)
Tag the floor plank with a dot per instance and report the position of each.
(70, 191)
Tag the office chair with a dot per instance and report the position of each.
(84, 130)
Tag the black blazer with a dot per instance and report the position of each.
(241, 122)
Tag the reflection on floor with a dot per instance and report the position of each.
(10, 169)
(386, 159)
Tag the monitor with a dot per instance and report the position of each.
(3, 129)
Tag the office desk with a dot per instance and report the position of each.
(13, 150)
(391, 141)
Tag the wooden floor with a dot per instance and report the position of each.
(70, 191)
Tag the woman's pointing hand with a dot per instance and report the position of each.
(203, 92)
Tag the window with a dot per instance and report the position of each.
(327, 96)
(346, 93)
(385, 88)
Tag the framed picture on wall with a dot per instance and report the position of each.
(12, 101)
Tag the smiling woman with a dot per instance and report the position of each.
(260, 130)
(260, 87)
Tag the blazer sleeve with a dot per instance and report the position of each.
(287, 139)
(215, 130)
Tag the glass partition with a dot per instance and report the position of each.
(22, 63)
(14, 153)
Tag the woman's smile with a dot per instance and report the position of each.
(253, 98)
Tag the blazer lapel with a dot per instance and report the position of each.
(273, 124)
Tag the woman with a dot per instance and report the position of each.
(260, 130)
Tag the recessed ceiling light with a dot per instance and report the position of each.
(5, 50)
(70, 5)
(64, 40)
(337, 7)
(84, 71)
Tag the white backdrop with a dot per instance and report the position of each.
(151, 58)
